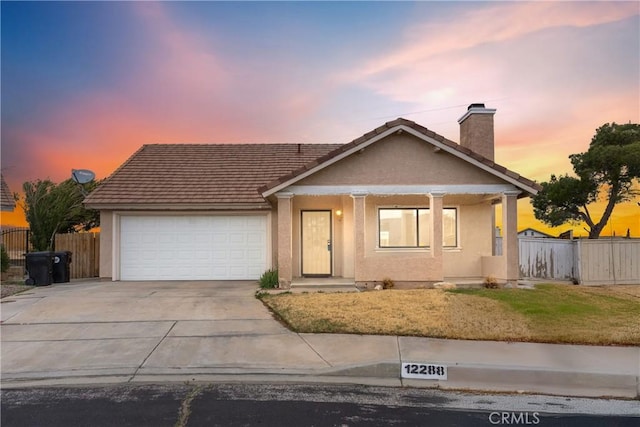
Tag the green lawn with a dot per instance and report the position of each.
(548, 313)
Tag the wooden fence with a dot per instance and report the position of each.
(589, 262)
(547, 258)
(85, 257)
(609, 261)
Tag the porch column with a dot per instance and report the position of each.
(358, 238)
(285, 258)
(510, 236)
(435, 207)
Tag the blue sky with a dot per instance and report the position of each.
(84, 84)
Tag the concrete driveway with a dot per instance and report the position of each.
(130, 329)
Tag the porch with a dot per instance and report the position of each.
(414, 239)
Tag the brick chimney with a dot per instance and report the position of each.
(476, 130)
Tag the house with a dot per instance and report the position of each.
(533, 233)
(7, 203)
(400, 202)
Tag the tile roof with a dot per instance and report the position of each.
(463, 151)
(6, 198)
(228, 175)
(202, 174)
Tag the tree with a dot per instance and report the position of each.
(5, 261)
(52, 208)
(607, 171)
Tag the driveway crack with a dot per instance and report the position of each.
(175, 322)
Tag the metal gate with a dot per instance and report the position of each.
(16, 243)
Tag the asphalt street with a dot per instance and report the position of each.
(238, 404)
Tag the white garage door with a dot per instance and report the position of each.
(193, 247)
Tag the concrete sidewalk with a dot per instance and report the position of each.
(98, 332)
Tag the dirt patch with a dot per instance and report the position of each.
(632, 290)
(7, 289)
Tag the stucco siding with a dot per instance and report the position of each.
(401, 160)
(106, 244)
(348, 236)
(274, 236)
(475, 241)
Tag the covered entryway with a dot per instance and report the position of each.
(190, 247)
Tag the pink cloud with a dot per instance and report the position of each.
(497, 23)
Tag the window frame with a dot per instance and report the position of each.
(417, 210)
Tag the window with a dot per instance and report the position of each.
(409, 227)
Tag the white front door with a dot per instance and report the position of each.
(316, 243)
(193, 247)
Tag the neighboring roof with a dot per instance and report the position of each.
(7, 203)
(388, 128)
(206, 175)
(535, 231)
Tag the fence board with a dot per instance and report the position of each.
(85, 249)
(546, 258)
(610, 261)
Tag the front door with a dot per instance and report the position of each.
(316, 243)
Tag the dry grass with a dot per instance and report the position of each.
(551, 313)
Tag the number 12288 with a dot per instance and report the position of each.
(423, 371)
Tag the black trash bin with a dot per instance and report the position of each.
(61, 267)
(40, 268)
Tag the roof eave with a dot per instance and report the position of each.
(180, 206)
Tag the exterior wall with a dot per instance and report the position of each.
(494, 266)
(348, 242)
(400, 265)
(285, 265)
(106, 244)
(475, 225)
(274, 236)
(510, 249)
(401, 160)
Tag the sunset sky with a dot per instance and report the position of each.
(85, 84)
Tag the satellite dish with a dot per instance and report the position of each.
(82, 176)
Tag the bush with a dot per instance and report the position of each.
(490, 282)
(5, 259)
(387, 283)
(269, 279)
